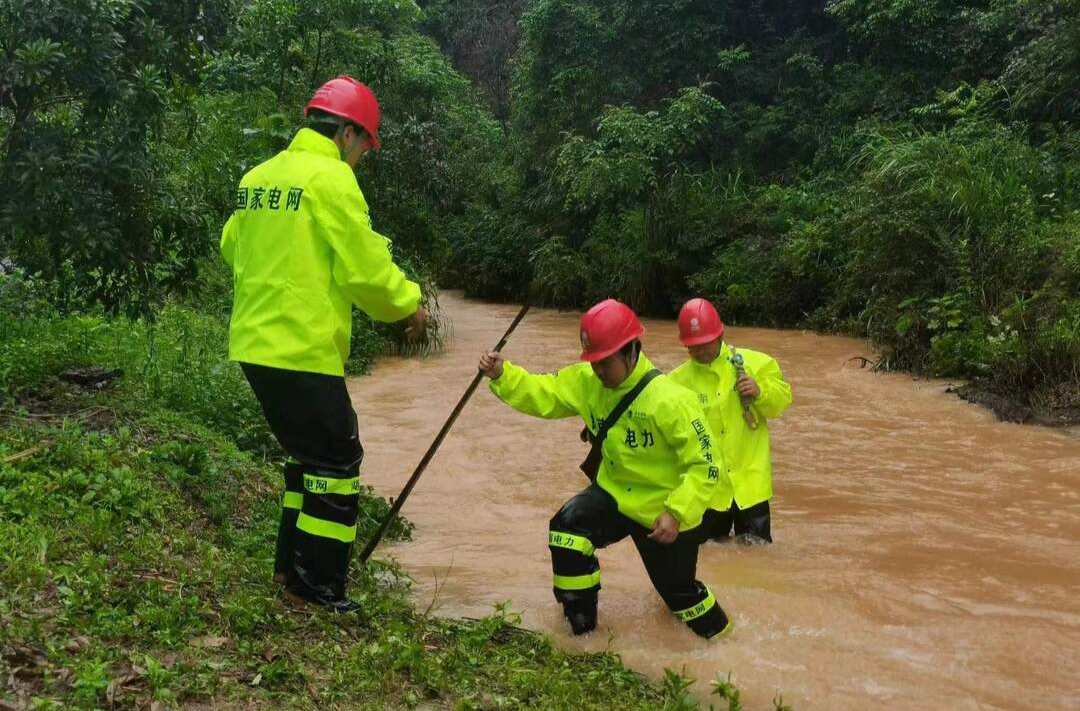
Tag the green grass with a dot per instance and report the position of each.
(135, 565)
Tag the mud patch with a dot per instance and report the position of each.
(1058, 408)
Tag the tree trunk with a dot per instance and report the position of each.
(318, 59)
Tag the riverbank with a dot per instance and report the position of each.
(1059, 408)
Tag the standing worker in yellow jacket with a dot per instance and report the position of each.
(740, 391)
(656, 470)
(302, 251)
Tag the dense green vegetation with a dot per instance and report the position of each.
(907, 171)
(901, 170)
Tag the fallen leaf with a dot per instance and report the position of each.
(77, 645)
(209, 642)
(120, 682)
(24, 656)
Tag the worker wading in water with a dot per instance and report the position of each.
(302, 251)
(656, 474)
(740, 391)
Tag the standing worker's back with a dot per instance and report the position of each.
(303, 252)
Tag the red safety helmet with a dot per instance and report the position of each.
(349, 99)
(699, 323)
(607, 327)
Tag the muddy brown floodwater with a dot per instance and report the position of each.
(926, 555)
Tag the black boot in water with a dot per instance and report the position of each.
(581, 614)
(713, 624)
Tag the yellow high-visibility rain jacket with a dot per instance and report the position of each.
(302, 251)
(746, 451)
(657, 457)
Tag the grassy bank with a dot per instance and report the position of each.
(135, 562)
(137, 520)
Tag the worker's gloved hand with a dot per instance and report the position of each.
(665, 529)
(747, 387)
(417, 327)
(491, 365)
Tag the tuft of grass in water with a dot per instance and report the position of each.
(726, 690)
(779, 705)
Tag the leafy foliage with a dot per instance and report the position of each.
(84, 88)
(901, 170)
(126, 125)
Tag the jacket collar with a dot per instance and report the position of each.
(722, 361)
(644, 365)
(308, 141)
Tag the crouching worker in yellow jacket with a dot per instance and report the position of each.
(302, 252)
(656, 469)
(740, 391)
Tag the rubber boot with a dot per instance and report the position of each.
(753, 525)
(341, 607)
(713, 624)
(581, 614)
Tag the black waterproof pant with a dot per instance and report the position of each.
(312, 417)
(591, 520)
(753, 521)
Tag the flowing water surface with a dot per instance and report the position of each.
(926, 555)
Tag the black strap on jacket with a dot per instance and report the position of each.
(591, 465)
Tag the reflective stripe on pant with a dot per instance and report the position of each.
(325, 531)
(330, 506)
(583, 524)
(591, 520)
(575, 565)
(312, 417)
